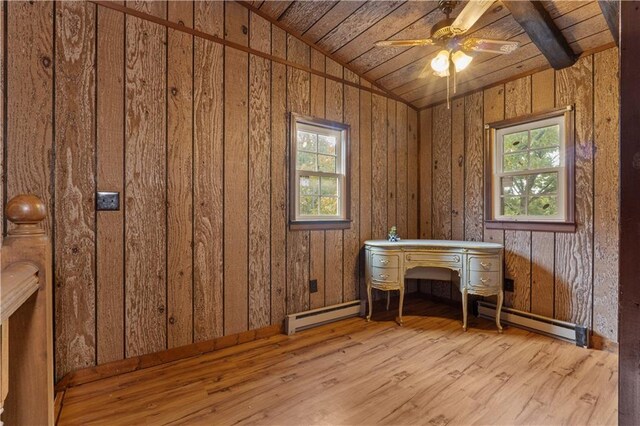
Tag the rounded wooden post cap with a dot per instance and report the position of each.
(26, 209)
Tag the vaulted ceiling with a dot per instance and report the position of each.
(347, 30)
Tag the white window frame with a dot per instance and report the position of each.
(564, 220)
(326, 128)
(499, 173)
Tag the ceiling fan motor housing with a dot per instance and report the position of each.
(442, 29)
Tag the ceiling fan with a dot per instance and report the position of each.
(456, 51)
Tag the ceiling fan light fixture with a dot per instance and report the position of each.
(440, 64)
(461, 60)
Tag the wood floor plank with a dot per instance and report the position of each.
(428, 371)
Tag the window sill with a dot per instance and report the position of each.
(531, 226)
(319, 225)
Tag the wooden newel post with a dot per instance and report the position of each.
(30, 389)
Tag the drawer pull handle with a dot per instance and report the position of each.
(485, 265)
(384, 261)
(484, 280)
(384, 276)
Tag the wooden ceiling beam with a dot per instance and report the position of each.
(539, 25)
(611, 12)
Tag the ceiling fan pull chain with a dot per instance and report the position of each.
(455, 80)
(448, 94)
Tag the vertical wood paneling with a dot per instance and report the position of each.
(333, 245)
(457, 169)
(493, 111)
(426, 174)
(542, 243)
(29, 94)
(474, 168)
(145, 193)
(179, 177)
(518, 243)
(236, 173)
(278, 178)
(259, 174)
(208, 119)
(413, 164)
(391, 165)
(457, 183)
(606, 200)
(298, 88)
(366, 180)
(110, 166)
(75, 185)
(378, 166)
(574, 251)
(441, 185)
(317, 238)
(351, 271)
(401, 188)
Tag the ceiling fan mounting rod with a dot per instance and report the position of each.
(446, 6)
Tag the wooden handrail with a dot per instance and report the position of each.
(18, 282)
(26, 314)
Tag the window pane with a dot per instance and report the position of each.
(543, 158)
(544, 183)
(516, 141)
(329, 186)
(326, 145)
(329, 206)
(545, 137)
(307, 161)
(545, 205)
(514, 205)
(309, 185)
(327, 163)
(308, 206)
(307, 141)
(514, 162)
(516, 185)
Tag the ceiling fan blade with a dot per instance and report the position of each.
(502, 47)
(405, 43)
(470, 15)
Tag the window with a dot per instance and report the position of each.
(319, 173)
(530, 182)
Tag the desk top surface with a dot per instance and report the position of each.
(434, 244)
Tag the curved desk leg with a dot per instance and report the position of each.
(401, 303)
(388, 299)
(500, 301)
(464, 309)
(369, 300)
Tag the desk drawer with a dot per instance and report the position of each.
(484, 281)
(387, 275)
(385, 260)
(435, 258)
(485, 263)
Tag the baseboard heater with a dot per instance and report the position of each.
(554, 328)
(316, 317)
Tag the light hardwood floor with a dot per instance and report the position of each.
(353, 372)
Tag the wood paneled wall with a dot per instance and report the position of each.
(569, 276)
(193, 135)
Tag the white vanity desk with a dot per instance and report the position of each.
(478, 264)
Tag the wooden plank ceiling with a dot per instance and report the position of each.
(347, 30)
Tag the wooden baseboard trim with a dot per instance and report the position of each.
(57, 406)
(603, 344)
(114, 368)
